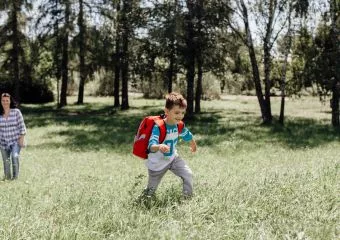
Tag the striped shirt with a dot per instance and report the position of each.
(158, 160)
(11, 128)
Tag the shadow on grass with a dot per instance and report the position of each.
(106, 127)
(302, 132)
(297, 132)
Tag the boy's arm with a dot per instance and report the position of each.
(193, 145)
(154, 145)
(187, 136)
(161, 147)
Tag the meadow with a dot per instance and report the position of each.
(79, 180)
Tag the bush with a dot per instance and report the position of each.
(35, 92)
(154, 89)
(211, 87)
(105, 85)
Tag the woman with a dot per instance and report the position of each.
(12, 133)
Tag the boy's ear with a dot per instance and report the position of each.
(166, 111)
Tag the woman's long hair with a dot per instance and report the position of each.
(13, 103)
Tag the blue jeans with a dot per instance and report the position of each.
(11, 153)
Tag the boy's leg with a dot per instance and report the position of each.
(155, 178)
(181, 169)
(7, 163)
(15, 150)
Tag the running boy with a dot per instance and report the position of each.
(163, 156)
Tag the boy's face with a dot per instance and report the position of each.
(175, 114)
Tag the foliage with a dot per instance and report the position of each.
(157, 50)
(211, 87)
(104, 87)
(324, 57)
(35, 92)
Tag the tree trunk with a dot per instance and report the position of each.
(64, 61)
(56, 53)
(254, 65)
(15, 50)
(190, 58)
(268, 60)
(64, 72)
(125, 55)
(116, 77)
(334, 32)
(171, 73)
(335, 105)
(125, 67)
(190, 75)
(117, 58)
(199, 57)
(267, 82)
(199, 83)
(284, 66)
(82, 50)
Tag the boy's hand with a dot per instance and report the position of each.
(193, 145)
(164, 148)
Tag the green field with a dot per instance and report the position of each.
(79, 180)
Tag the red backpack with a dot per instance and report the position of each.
(141, 142)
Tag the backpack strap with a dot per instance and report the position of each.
(162, 129)
(180, 127)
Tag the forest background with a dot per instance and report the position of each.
(51, 49)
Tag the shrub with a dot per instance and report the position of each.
(211, 87)
(35, 92)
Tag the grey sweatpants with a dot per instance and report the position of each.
(179, 168)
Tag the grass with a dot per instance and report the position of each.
(79, 180)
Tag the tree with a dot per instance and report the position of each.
(199, 53)
(126, 33)
(271, 18)
(65, 53)
(117, 56)
(57, 46)
(300, 7)
(86, 65)
(287, 47)
(171, 72)
(335, 53)
(56, 17)
(82, 52)
(325, 60)
(248, 40)
(12, 33)
(190, 55)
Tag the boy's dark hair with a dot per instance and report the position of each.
(13, 103)
(175, 99)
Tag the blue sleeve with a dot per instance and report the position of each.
(186, 135)
(154, 138)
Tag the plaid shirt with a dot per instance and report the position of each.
(11, 128)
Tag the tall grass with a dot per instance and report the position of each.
(79, 180)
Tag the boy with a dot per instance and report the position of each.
(163, 156)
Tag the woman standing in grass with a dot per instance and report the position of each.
(12, 133)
